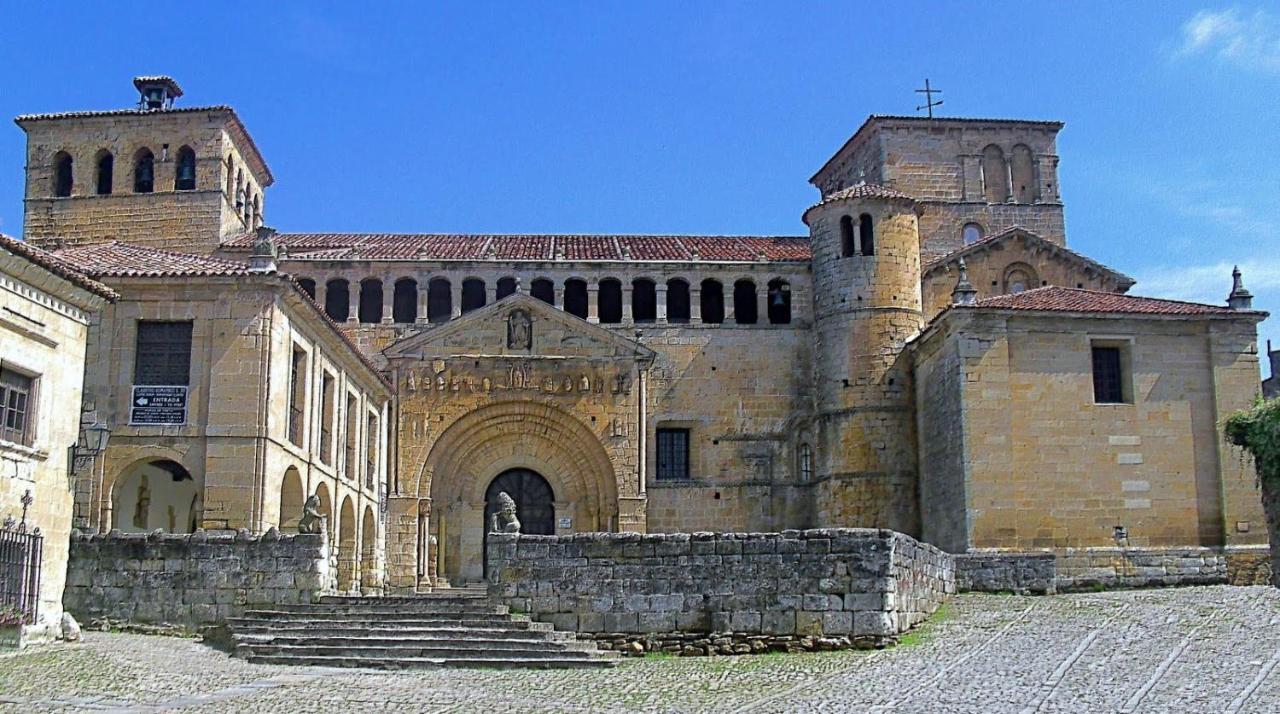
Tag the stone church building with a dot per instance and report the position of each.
(927, 355)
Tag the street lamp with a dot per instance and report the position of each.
(92, 441)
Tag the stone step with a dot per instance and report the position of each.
(478, 607)
(272, 644)
(374, 616)
(431, 597)
(367, 623)
(436, 662)
(403, 633)
(414, 651)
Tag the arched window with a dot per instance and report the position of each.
(231, 178)
(337, 299)
(544, 290)
(779, 302)
(439, 300)
(745, 311)
(106, 168)
(308, 286)
(806, 463)
(239, 195)
(995, 177)
(473, 296)
(846, 236)
(144, 171)
(404, 301)
(370, 301)
(972, 233)
(866, 235)
(506, 286)
(610, 298)
(575, 297)
(62, 174)
(1019, 277)
(644, 300)
(677, 301)
(711, 302)
(246, 212)
(1022, 170)
(257, 212)
(184, 178)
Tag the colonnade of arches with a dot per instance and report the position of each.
(355, 543)
(606, 301)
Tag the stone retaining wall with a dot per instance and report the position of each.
(1088, 568)
(811, 589)
(188, 580)
(1023, 573)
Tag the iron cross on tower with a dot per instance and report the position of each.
(928, 93)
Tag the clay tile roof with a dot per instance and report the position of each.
(1058, 299)
(56, 265)
(865, 190)
(426, 246)
(123, 260)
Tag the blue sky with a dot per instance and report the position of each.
(695, 117)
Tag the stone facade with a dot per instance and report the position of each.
(190, 580)
(44, 324)
(865, 585)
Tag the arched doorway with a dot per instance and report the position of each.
(291, 500)
(535, 503)
(347, 547)
(368, 553)
(157, 494)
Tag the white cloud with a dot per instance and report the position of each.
(1249, 41)
(1209, 282)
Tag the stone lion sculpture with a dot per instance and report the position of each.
(504, 521)
(312, 521)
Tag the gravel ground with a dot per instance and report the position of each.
(1211, 649)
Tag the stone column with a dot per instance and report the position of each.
(762, 304)
(455, 299)
(423, 286)
(660, 292)
(1008, 178)
(593, 302)
(627, 318)
(388, 300)
(559, 296)
(726, 296)
(490, 292)
(353, 301)
(695, 303)
(322, 291)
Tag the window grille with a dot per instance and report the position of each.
(15, 407)
(163, 354)
(673, 454)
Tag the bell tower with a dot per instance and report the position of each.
(156, 174)
(867, 305)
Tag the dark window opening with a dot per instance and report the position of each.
(439, 300)
(544, 290)
(337, 299)
(16, 418)
(575, 297)
(506, 286)
(712, 302)
(644, 300)
(371, 451)
(144, 172)
(677, 301)
(62, 174)
(1108, 376)
(866, 235)
(779, 302)
(185, 170)
(353, 434)
(106, 169)
(673, 455)
(308, 286)
(610, 298)
(297, 394)
(163, 353)
(846, 236)
(745, 311)
(370, 301)
(472, 294)
(404, 301)
(326, 418)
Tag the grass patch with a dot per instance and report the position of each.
(924, 630)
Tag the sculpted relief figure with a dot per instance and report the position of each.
(312, 521)
(519, 330)
(504, 521)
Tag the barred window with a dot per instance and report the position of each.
(163, 354)
(1108, 385)
(371, 451)
(806, 463)
(326, 418)
(16, 408)
(673, 454)
(297, 394)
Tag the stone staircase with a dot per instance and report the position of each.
(452, 628)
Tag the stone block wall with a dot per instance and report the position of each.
(859, 587)
(191, 580)
(1044, 572)
(1007, 572)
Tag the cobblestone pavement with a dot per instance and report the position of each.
(1211, 649)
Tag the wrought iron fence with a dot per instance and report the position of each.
(20, 556)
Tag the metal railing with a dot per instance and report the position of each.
(20, 557)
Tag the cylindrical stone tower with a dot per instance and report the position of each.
(867, 304)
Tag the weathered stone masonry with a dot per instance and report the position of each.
(192, 580)
(861, 584)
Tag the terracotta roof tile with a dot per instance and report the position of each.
(1058, 299)
(56, 265)
(123, 260)
(425, 246)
